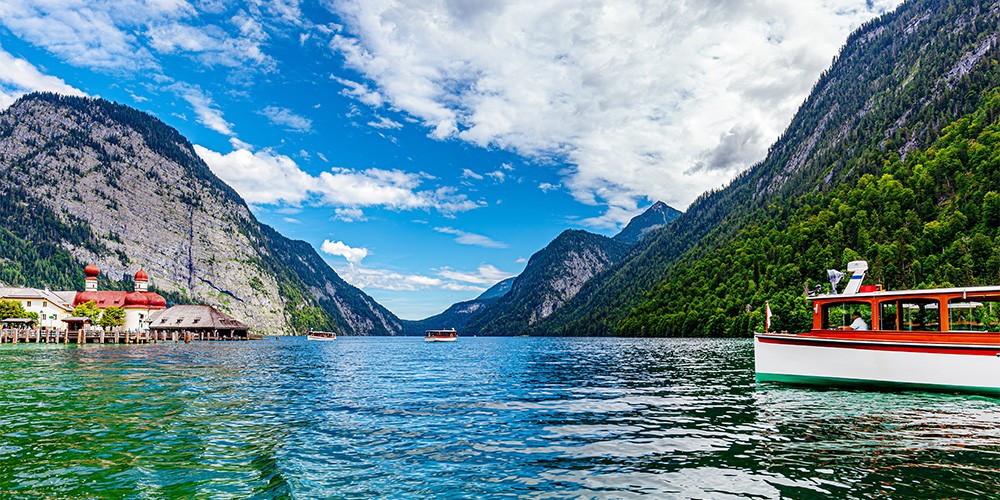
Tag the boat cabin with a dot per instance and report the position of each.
(964, 309)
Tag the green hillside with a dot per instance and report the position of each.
(897, 83)
(931, 220)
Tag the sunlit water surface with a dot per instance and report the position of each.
(482, 417)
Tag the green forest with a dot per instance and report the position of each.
(931, 219)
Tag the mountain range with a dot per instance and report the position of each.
(891, 158)
(90, 181)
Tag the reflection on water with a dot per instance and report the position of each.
(481, 417)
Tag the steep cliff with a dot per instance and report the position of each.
(87, 180)
(552, 276)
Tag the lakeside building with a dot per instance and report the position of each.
(138, 304)
(198, 322)
(50, 306)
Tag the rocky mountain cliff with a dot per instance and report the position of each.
(897, 82)
(87, 180)
(655, 217)
(552, 276)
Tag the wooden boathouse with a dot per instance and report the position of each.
(196, 322)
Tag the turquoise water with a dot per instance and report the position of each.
(482, 417)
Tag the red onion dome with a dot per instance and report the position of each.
(156, 300)
(91, 271)
(136, 299)
(141, 275)
(84, 297)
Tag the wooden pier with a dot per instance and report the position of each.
(33, 336)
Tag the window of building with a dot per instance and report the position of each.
(29, 304)
(840, 314)
(974, 314)
(910, 315)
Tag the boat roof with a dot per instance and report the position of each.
(967, 290)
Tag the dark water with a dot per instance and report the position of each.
(510, 417)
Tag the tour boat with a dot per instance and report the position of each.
(314, 335)
(441, 335)
(943, 339)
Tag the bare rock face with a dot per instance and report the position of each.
(553, 276)
(149, 201)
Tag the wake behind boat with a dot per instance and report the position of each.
(441, 335)
(944, 339)
(316, 335)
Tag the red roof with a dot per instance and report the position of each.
(141, 275)
(101, 298)
(91, 271)
(136, 299)
(156, 301)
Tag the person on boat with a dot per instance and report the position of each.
(858, 324)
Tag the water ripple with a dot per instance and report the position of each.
(513, 417)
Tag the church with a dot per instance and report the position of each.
(138, 304)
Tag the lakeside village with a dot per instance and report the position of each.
(108, 317)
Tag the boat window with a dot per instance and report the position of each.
(839, 314)
(974, 314)
(910, 315)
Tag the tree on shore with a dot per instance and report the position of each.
(15, 309)
(111, 317)
(88, 309)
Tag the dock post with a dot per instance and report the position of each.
(15, 336)
(102, 336)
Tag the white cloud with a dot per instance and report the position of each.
(382, 279)
(658, 100)
(266, 177)
(88, 34)
(497, 175)
(204, 108)
(547, 186)
(353, 255)
(385, 123)
(485, 274)
(286, 118)
(469, 174)
(349, 214)
(18, 77)
(471, 238)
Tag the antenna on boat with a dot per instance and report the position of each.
(835, 276)
(857, 268)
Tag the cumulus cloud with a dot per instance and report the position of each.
(643, 100)
(18, 77)
(266, 177)
(384, 279)
(286, 118)
(485, 274)
(349, 214)
(352, 255)
(466, 238)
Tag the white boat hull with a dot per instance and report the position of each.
(781, 358)
(445, 339)
(321, 339)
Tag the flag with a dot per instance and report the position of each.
(767, 317)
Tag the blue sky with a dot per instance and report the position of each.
(427, 148)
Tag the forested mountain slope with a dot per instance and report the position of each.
(898, 81)
(87, 180)
(931, 220)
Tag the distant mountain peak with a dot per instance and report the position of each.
(655, 217)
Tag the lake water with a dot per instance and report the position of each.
(482, 417)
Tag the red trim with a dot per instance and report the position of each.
(973, 350)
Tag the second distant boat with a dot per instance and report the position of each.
(314, 335)
(441, 335)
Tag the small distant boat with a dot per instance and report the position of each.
(945, 339)
(441, 335)
(315, 335)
